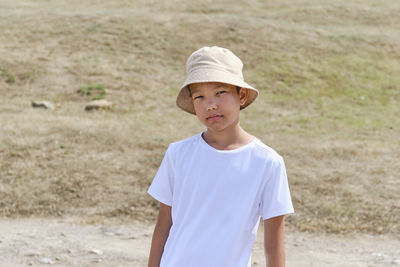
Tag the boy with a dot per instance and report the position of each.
(214, 187)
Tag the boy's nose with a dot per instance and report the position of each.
(211, 104)
(211, 107)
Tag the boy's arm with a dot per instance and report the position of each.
(160, 235)
(274, 235)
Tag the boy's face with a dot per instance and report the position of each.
(217, 105)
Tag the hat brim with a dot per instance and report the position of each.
(184, 100)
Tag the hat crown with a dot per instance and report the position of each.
(216, 58)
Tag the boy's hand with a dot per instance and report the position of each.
(160, 235)
(274, 236)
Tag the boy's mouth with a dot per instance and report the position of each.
(214, 117)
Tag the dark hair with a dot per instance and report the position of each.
(190, 93)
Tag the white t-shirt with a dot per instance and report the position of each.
(217, 198)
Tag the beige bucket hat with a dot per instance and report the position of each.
(213, 64)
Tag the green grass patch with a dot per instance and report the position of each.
(10, 78)
(98, 91)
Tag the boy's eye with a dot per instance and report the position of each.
(198, 97)
(221, 92)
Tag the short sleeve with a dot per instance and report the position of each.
(162, 186)
(275, 198)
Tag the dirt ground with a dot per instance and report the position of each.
(37, 242)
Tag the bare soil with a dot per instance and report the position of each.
(68, 243)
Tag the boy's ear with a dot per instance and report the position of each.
(243, 95)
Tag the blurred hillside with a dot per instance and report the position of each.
(329, 81)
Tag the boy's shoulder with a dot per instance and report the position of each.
(186, 143)
(267, 150)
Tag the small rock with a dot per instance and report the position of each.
(97, 260)
(98, 104)
(396, 262)
(13, 251)
(96, 251)
(129, 237)
(31, 253)
(111, 232)
(46, 261)
(42, 104)
(359, 250)
(378, 255)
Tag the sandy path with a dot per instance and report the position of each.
(64, 243)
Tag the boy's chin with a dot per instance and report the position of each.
(215, 128)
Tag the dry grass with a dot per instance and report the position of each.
(327, 73)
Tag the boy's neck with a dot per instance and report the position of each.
(228, 139)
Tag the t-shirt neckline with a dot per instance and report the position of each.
(205, 144)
